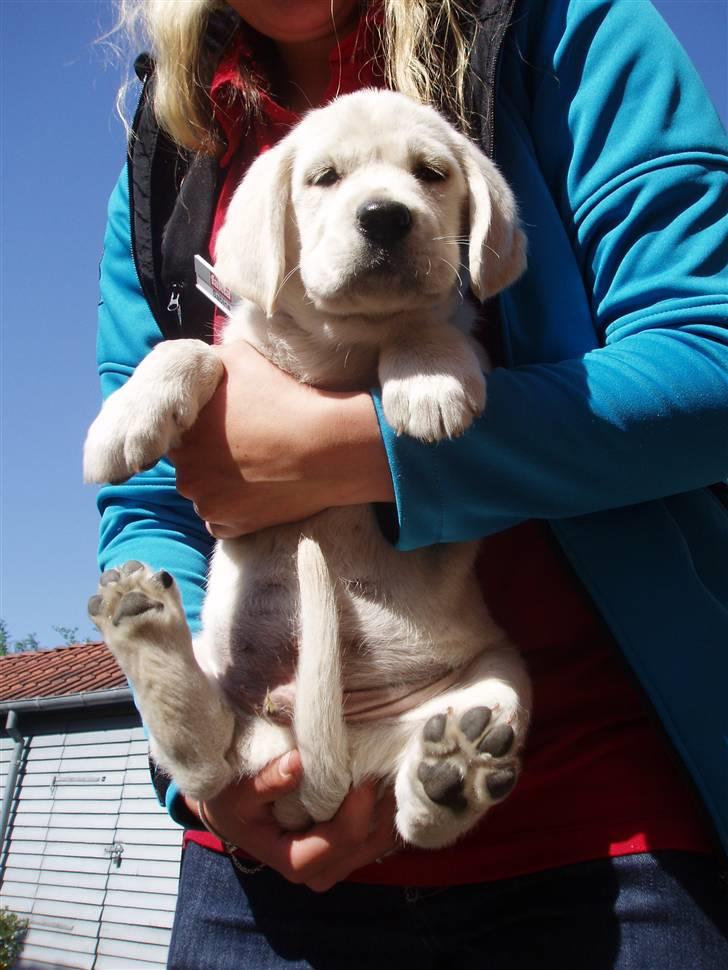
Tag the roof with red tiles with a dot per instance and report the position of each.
(80, 669)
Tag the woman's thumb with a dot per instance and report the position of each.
(279, 776)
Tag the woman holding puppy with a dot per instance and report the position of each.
(591, 478)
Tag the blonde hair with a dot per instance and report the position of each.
(425, 46)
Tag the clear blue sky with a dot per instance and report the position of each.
(61, 149)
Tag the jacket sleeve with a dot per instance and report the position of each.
(144, 518)
(636, 162)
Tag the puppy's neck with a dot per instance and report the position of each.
(332, 351)
(317, 357)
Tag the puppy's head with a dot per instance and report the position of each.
(365, 205)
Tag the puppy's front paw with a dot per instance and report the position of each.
(434, 406)
(129, 435)
(142, 420)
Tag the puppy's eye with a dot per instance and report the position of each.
(324, 177)
(428, 173)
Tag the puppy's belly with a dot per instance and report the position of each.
(405, 618)
(258, 674)
(261, 649)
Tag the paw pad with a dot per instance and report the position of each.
(129, 591)
(94, 605)
(443, 784)
(463, 756)
(109, 577)
(434, 729)
(134, 604)
(498, 741)
(475, 721)
(500, 782)
(132, 566)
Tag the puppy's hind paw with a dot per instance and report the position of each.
(132, 600)
(461, 764)
(444, 772)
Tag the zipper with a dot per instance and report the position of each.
(132, 234)
(495, 53)
(155, 306)
(175, 292)
(492, 313)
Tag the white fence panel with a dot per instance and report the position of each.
(84, 793)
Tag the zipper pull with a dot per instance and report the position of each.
(174, 301)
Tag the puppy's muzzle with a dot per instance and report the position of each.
(383, 222)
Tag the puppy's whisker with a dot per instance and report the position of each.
(285, 279)
(338, 49)
(491, 250)
(453, 268)
(290, 273)
(459, 239)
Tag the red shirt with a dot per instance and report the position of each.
(599, 776)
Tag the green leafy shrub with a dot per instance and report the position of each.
(12, 934)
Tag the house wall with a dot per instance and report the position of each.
(91, 858)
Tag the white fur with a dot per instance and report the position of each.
(295, 614)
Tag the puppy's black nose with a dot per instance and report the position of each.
(383, 221)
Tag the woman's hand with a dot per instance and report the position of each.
(361, 831)
(268, 450)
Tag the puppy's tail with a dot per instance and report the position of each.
(319, 717)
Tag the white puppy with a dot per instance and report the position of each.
(344, 242)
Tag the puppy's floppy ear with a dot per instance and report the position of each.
(250, 250)
(497, 248)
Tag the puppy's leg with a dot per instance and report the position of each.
(463, 756)
(140, 615)
(433, 387)
(148, 415)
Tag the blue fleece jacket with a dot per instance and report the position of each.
(612, 414)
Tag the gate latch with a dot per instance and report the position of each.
(115, 852)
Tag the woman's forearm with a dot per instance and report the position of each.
(268, 450)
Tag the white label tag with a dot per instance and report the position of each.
(213, 289)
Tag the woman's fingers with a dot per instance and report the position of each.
(381, 841)
(347, 830)
(278, 778)
(232, 812)
(360, 832)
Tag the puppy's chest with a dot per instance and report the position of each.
(324, 358)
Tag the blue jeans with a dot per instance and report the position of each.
(667, 911)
